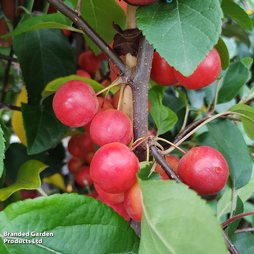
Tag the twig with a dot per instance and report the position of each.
(244, 230)
(8, 58)
(9, 107)
(231, 247)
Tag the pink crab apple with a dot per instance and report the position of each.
(114, 167)
(162, 73)
(75, 103)
(172, 162)
(89, 62)
(204, 170)
(109, 126)
(205, 74)
(82, 177)
(133, 203)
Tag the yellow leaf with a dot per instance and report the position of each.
(55, 179)
(17, 121)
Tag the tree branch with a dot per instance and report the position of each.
(92, 34)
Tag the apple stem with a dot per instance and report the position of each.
(172, 144)
(138, 142)
(115, 83)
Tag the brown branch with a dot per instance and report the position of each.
(231, 247)
(8, 58)
(7, 106)
(244, 230)
(92, 34)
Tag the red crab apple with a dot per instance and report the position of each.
(109, 126)
(73, 146)
(82, 177)
(204, 170)
(75, 103)
(133, 203)
(86, 143)
(74, 164)
(162, 73)
(83, 74)
(140, 2)
(172, 162)
(114, 168)
(89, 62)
(205, 74)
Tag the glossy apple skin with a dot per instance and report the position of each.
(83, 174)
(89, 62)
(133, 202)
(114, 168)
(83, 74)
(109, 126)
(162, 73)
(109, 198)
(104, 104)
(140, 2)
(73, 146)
(172, 162)
(205, 74)
(204, 170)
(74, 164)
(75, 103)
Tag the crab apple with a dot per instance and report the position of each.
(104, 104)
(133, 203)
(109, 126)
(109, 198)
(66, 32)
(162, 73)
(205, 74)
(172, 162)
(73, 146)
(75, 103)
(140, 2)
(204, 170)
(114, 167)
(74, 164)
(89, 62)
(122, 4)
(83, 74)
(89, 156)
(82, 177)
(86, 143)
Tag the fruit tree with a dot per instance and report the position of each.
(126, 126)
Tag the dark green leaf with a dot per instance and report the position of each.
(176, 29)
(43, 55)
(145, 171)
(247, 116)
(234, 149)
(43, 129)
(236, 31)
(233, 225)
(56, 20)
(238, 14)
(101, 15)
(244, 242)
(236, 76)
(176, 220)
(28, 178)
(19, 152)
(79, 224)
(223, 52)
(164, 117)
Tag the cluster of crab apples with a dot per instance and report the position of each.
(112, 168)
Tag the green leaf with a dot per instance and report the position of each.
(28, 178)
(238, 14)
(222, 49)
(164, 117)
(176, 29)
(2, 149)
(246, 114)
(225, 202)
(19, 152)
(54, 85)
(101, 15)
(236, 31)
(243, 242)
(56, 20)
(233, 225)
(43, 55)
(168, 227)
(145, 171)
(79, 224)
(237, 156)
(236, 76)
(43, 129)
(247, 61)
